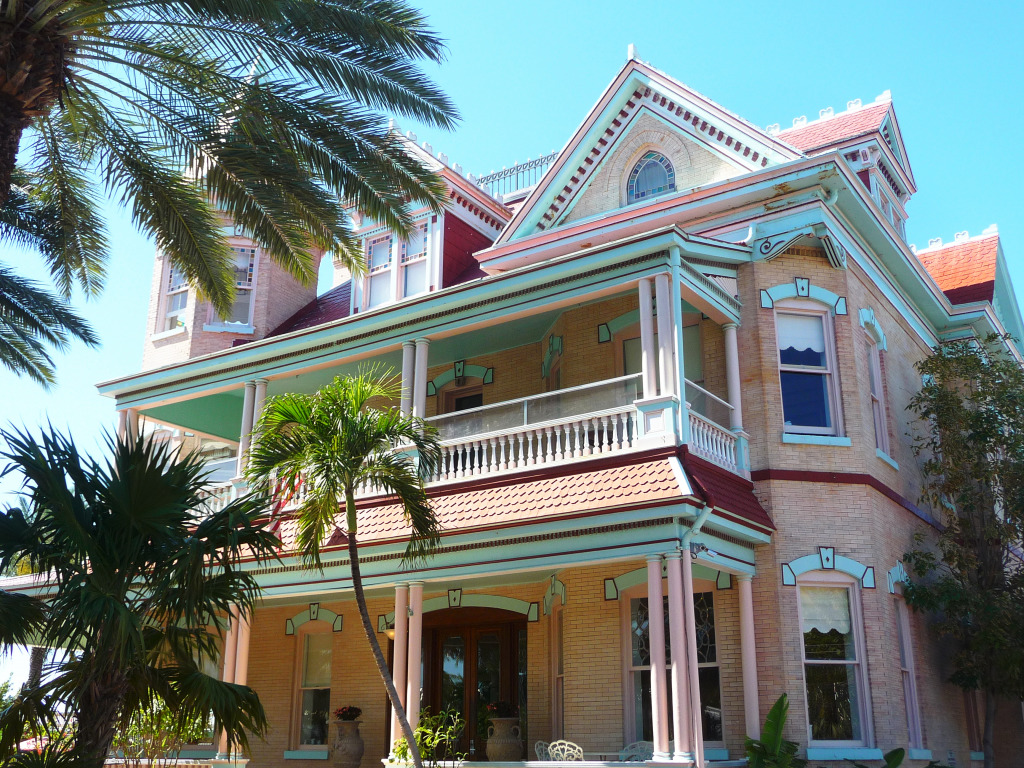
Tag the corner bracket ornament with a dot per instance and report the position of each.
(555, 588)
(770, 247)
(896, 575)
(313, 613)
(835, 252)
(826, 559)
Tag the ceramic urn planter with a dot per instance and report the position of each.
(503, 742)
(348, 744)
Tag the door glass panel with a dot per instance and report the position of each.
(488, 678)
(453, 673)
(521, 685)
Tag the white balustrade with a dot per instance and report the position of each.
(216, 497)
(713, 442)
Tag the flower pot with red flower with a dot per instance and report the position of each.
(503, 734)
(348, 744)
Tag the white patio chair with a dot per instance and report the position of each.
(637, 752)
(541, 748)
(562, 751)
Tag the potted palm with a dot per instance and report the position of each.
(503, 742)
(348, 744)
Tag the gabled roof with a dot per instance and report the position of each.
(965, 270)
(333, 305)
(828, 131)
(638, 89)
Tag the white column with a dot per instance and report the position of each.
(666, 358)
(412, 699)
(401, 641)
(691, 659)
(243, 440)
(659, 696)
(408, 375)
(419, 394)
(748, 655)
(259, 400)
(122, 423)
(133, 423)
(681, 720)
(647, 339)
(732, 376)
(228, 673)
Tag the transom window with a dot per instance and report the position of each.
(833, 664)
(314, 694)
(807, 372)
(653, 175)
(176, 301)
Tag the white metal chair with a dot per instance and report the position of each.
(541, 748)
(637, 752)
(562, 751)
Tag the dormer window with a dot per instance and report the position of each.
(378, 259)
(653, 175)
(414, 261)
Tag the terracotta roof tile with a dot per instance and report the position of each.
(846, 125)
(729, 493)
(965, 271)
(332, 305)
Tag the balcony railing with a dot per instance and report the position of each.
(708, 439)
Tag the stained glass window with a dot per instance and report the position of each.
(653, 175)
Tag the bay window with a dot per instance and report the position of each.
(833, 661)
(807, 369)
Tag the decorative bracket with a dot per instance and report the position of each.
(460, 369)
(833, 250)
(313, 613)
(774, 245)
(555, 588)
(896, 575)
(827, 560)
(867, 319)
(801, 287)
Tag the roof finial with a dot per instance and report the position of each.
(854, 104)
(935, 242)
(885, 95)
(991, 229)
(773, 129)
(800, 121)
(631, 54)
(826, 113)
(959, 237)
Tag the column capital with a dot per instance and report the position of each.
(743, 576)
(402, 585)
(250, 385)
(409, 343)
(260, 381)
(673, 554)
(653, 558)
(422, 340)
(730, 326)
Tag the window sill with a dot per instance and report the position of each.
(228, 328)
(919, 754)
(887, 459)
(843, 753)
(833, 440)
(977, 757)
(306, 754)
(168, 334)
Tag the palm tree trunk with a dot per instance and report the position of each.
(11, 128)
(35, 667)
(371, 636)
(98, 707)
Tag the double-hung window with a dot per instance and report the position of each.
(314, 689)
(244, 272)
(877, 397)
(176, 299)
(378, 262)
(414, 261)
(914, 732)
(807, 371)
(833, 659)
(557, 672)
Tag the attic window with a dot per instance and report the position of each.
(653, 175)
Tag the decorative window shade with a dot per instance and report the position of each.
(801, 340)
(175, 279)
(245, 264)
(825, 609)
(380, 253)
(417, 245)
(316, 668)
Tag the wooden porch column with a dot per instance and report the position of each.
(408, 375)
(242, 652)
(401, 652)
(666, 357)
(259, 400)
(133, 423)
(681, 720)
(732, 376)
(412, 699)
(691, 659)
(228, 673)
(748, 655)
(419, 393)
(122, 423)
(243, 440)
(659, 696)
(647, 339)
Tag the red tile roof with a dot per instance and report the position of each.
(965, 271)
(846, 125)
(726, 492)
(332, 305)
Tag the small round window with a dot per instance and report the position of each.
(653, 175)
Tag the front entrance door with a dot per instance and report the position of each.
(473, 657)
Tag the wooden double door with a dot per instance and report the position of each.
(473, 657)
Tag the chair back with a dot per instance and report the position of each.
(637, 752)
(563, 751)
(541, 748)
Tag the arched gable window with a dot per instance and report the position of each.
(653, 175)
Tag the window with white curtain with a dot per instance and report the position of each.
(835, 683)
(314, 689)
(807, 370)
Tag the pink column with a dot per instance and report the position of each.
(659, 697)
(691, 658)
(748, 653)
(415, 675)
(242, 653)
(681, 719)
(401, 651)
(228, 672)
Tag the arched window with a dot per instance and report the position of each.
(653, 175)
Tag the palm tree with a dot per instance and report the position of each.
(267, 111)
(134, 576)
(334, 442)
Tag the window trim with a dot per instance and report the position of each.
(557, 678)
(406, 259)
(219, 324)
(876, 380)
(908, 674)
(809, 307)
(169, 290)
(831, 580)
(388, 269)
(313, 627)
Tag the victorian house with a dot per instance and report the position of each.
(669, 365)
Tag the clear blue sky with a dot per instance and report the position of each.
(525, 73)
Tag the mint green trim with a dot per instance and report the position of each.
(623, 321)
(896, 575)
(833, 440)
(977, 757)
(716, 754)
(306, 754)
(554, 351)
(887, 459)
(615, 587)
(604, 333)
(313, 613)
(826, 559)
(866, 315)
(476, 371)
(843, 753)
(919, 754)
(456, 599)
(801, 288)
(555, 589)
